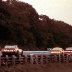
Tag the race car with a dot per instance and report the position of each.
(68, 50)
(56, 50)
(11, 50)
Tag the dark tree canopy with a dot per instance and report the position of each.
(20, 24)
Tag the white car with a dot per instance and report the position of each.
(56, 50)
(11, 49)
(68, 50)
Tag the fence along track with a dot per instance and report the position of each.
(34, 59)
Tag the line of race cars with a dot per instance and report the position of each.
(14, 50)
(58, 50)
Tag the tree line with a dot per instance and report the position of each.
(21, 24)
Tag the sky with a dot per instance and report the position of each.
(55, 9)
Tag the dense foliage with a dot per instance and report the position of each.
(20, 24)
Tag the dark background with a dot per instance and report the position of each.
(20, 24)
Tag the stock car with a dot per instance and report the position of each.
(68, 50)
(11, 50)
(56, 50)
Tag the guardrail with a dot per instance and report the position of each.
(34, 57)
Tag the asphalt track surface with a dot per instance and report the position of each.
(36, 52)
(33, 53)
